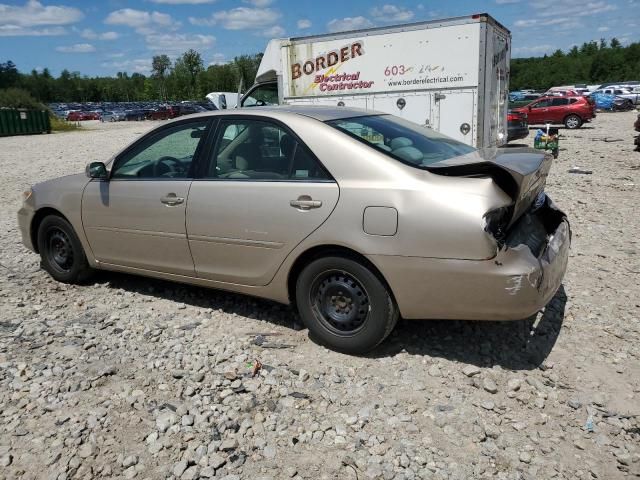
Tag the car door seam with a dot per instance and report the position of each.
(186, 231)
(284, 260)
(84, 230)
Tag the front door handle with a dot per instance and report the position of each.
(305, 202)
(171, 199)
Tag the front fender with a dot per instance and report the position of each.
(64, 196)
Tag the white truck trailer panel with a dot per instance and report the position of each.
(450, 75)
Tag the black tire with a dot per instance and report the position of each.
(61, 251)
(572, 121)
(345, 306)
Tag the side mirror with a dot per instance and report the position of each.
(96, 170)
(529, 107)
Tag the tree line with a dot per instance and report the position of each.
(187, 78)
(591, 63)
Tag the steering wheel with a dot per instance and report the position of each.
(167, 165)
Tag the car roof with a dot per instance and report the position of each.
(321, 113)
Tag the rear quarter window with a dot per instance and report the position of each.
(402, 140)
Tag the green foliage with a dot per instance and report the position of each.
(19, 98)
(59, 125)
(9, 76)
(160, 65)
(185, 79)
(591, 63)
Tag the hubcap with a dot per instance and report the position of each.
(59, 250)
(340, 302)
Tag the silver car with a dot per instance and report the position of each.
(115, 116)
(353, 217)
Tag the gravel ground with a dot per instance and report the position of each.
(136, 378)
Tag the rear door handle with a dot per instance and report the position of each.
(305, 202)
(171, 199)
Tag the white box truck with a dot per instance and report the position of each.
(451, 75)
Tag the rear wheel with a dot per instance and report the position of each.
(61, 251)
(345, 306)
(573, 121)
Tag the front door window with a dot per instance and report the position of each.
(166, 155)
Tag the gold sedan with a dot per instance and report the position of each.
(353, 217)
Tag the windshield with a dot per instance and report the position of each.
(402, 140)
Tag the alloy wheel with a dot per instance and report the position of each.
(573, 122)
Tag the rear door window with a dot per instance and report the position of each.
(559, 102)
(542, 104)
(248, 149)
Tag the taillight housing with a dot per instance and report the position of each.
(496, 222)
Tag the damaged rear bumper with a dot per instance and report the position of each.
(515, 284)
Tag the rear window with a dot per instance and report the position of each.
(402, 140)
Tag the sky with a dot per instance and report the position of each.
(108, 36)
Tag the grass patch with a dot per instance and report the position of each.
(59, 125)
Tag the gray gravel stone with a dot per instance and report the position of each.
(471, 370)
(87, 450)
(130, 461)
(165, 420)
(190, 473)
(187, 420)
(229, 444)
(514, 384)
(179, 468)
(270, 451)
(489, 385)
(216, 461)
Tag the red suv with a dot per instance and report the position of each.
(570, 111)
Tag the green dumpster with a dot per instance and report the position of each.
(23, 122)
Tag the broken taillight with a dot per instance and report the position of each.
(496, 223)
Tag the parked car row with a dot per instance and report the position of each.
(79, 116)
(571, 106)
(116, 112)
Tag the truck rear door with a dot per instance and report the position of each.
(497, 56)
(455, 116)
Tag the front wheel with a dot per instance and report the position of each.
(345, 306)
(61, 251)
(573, 121)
